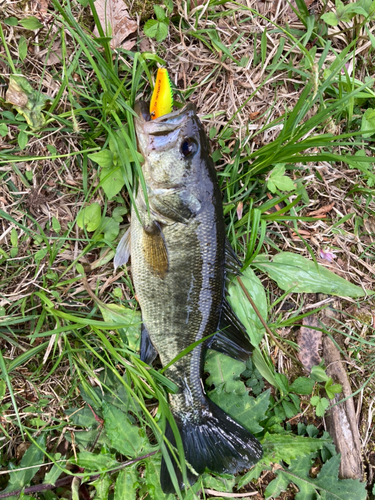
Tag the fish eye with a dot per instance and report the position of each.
(189, 147)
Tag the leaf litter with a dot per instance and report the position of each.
(309, 340)
(116, 23)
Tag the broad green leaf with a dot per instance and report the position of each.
(321, 407)
(350, 10)
(332, 389)
(212, 132)
(278, 448)
(11, 21)
(368, 123)
(315, 400)
(27, 101)
(294, 272)
(102, 485)
(288, 447)
(118, 212)
(110, 227)
(127, 483)
(56, 226)
(29, 466)
(289, 408)
(90, 217)
(3, 129)
(242, 307)
(159, 12)
(318, 374)
(51, 149)
(114, 313)
(84, 418)
(95, 461)
(112, 181)
(156, 29)
(31, 23)
(22, 140)
(282, 383)
(14, 237)
(40, 254)
(263, 367)
(253, 473)
(277, 180)
(330, 18)
(125, 437)
(110, 389)
(224, 482)
(151, 479)
(103, 158)
(326, 484)
(302, 385)
(230, 392)
(224, 370)
(22, 48)
(53, 475)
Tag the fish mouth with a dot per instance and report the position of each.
(161, 133)
(165, 123)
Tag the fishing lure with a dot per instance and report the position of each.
(162, 97)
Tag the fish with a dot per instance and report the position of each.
(180, 260)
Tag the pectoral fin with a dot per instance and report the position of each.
(122, 250)
(155, 249)
(178, 205)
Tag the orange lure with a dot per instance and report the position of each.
(162, 97)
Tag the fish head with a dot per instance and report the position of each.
(174, 146)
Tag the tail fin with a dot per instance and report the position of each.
(217, 443)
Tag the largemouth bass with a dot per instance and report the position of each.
(179, 256)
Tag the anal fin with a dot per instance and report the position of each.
(231, 339)
(148, 351)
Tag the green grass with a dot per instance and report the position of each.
(69, 330)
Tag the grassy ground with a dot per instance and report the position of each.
(286, 95)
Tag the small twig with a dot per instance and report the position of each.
(230, 495)
(268, 330)
(67, 480)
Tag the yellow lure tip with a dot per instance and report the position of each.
(162, 97)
